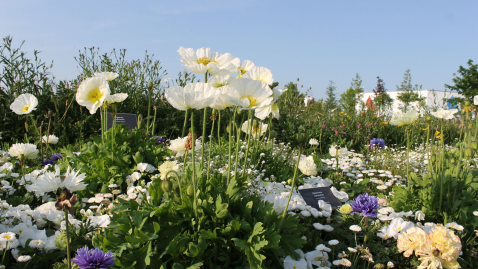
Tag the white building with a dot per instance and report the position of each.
(433, 100)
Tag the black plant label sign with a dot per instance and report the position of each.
(313, 195)
(129, 120)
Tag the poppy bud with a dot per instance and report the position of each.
(190, 190)
(166, 185)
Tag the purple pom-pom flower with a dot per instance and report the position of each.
(93, 259)
(377, 143)
(365, 204)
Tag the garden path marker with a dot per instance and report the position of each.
(129, 120)
(313, 195)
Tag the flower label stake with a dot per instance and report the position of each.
(129, 120)
(313, 195)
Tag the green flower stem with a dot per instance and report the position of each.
(218, 128)
(210, 146)
(238, 142)
(154, 120)
(149, 110)
(291, 189)
(67, 239)
(408, 155)
(249, 134)
(185, 121)
(193, 158)
(231, 126)
(4, 252)
(203, 134)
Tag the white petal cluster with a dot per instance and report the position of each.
(168, 166)
(307, 165)
(50, 139)
(178, 145)
(108, 76)
(20, 150)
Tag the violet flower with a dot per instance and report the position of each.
(93, 259)
(377, 143)
(365, 204)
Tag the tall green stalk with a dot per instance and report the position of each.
(193, 158)
(291, 189)
(185, 121)
(231, 127)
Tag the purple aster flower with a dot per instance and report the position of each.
(365, 204)
(56, 156)
(46, 162)
(93, 259)
(161, 140)
(377, 143)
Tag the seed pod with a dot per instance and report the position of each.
(467, 103)
(273, 134)
(452, 160)
(429, 118)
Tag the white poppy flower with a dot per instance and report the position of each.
(273, 109)
(116, 98)
(255, 94)
(92, 92)
(245, 66)
(446, 114)
(203, 60)
(195, 95)
(260, 73)
(178, 145)
(400, 118)
(109, 76)
(24, 104)
(257, 129)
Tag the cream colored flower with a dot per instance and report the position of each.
(313, 142)
(92, 93)
(446, 114)
(168, 166)
(404, 118)
(24, 104)
(260, 73)
(307, 166)
(195, 95)
(109, 76)
(28, 151)
(203, 60)
(335, 150)
(254, 94)
(257, 129)
(225, 97)
(51, 139)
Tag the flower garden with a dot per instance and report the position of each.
(216, 172)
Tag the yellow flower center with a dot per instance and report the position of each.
(7, 237)
(204, 61)
(25, 108)
(294, 267)
(95, 95)
(243, 71)
(252, 100)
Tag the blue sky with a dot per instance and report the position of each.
(316, 41)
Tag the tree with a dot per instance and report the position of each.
(331, 101)
(382, 99)
(409, 93)
(352, 96)
(466, 82)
